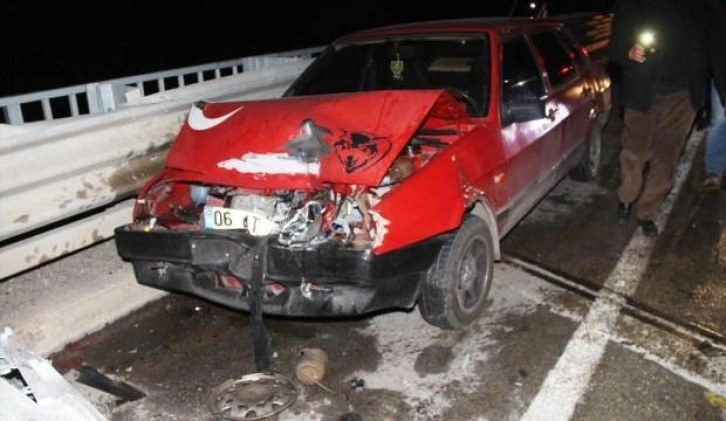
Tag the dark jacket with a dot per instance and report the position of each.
(639, 81)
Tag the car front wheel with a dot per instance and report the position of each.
(457, 285)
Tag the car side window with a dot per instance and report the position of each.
(576, 52)
(521, 78)
(558, 63)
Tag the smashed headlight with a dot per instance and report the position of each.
(304, 226)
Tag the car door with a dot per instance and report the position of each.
(584, 94)
(528, 144)
(570, 96)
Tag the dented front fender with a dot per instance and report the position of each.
(434, 199)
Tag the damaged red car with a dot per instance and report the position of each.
(384, 178)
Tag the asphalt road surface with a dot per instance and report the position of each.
(587, 320)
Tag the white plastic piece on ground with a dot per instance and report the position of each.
(56, 399)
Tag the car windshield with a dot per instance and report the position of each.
(460, 63)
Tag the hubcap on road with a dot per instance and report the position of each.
(252, 397)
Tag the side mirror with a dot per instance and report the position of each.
(524, 109)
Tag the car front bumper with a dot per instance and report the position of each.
(323, 281)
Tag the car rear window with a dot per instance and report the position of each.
(460, 62)
(576, 52)
(560, 66)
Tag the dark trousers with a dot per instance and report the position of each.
(654, 137)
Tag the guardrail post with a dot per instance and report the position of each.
(104, 97)
(13, 114)
(251, 63)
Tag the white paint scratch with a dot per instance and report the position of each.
(270, 163)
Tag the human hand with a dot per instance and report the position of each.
(637, 53)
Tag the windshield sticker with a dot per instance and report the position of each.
(397, 68)
(358, 151)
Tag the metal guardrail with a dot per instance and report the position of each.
(66, 181)
(109, 95)
(65, 184)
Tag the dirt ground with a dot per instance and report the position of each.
(685, 278)
(684, 281)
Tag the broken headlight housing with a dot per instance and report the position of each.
(304, 226)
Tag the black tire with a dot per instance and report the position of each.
(455, 289)
(589, 166)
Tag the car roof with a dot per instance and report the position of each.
(463, 25)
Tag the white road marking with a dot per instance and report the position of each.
(662, 347)
(714, 365)
(568, 380)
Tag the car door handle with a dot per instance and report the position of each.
(551, 113)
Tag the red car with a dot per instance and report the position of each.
(384, 178)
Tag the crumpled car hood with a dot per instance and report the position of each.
(302, 142)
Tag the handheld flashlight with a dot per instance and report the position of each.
(647, 40)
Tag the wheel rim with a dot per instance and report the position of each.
(595, 154)
(473, 276)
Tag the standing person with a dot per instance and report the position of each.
(715, 155)
(660, 45)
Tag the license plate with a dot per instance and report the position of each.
(230, 219)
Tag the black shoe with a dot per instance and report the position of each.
(650, 229)
(624, 212)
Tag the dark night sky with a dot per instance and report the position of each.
(55, 44)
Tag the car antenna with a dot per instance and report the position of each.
(511, 15)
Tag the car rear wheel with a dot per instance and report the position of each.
(457, 285)
(589, 166)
